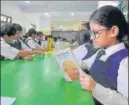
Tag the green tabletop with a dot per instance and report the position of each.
(39, 82)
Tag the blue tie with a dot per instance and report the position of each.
(100, 53)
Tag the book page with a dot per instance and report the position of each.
(7, 100)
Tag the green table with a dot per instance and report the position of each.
(39, 82)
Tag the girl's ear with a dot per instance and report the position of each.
(114, 31)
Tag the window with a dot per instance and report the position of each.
(6, 19)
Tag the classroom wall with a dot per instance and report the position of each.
(18, 16)
(32, 18)
(41, 21)
(23, 18)
(67, 22)
(103, 3)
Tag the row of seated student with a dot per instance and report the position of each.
(14, 46)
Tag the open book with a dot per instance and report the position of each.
(67, 64)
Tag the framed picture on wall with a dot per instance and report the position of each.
(6, 19)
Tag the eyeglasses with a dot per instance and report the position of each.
(96, 34)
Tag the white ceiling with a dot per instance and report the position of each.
(57, 6)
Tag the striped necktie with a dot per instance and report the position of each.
(100, 53)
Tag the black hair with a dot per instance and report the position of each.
(55, 39)
(18, 27)
(46, 37)
(85, 37)
(8, 29)
(39, 33)
(63, 39)
(50, 36)
(25, 36)
(31, 32)
(109, 16)
(58, 37)
(86, 25)
(73, 40)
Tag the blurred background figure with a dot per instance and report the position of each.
(86, 48)
(40, 37)
(84, 36)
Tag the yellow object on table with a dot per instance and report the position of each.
(48, 52)
(50, 44)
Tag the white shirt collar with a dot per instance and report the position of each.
(115, 48)
(111, 50)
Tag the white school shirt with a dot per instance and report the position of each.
(24, 46)
(44, 44)
(7, 51)
(105, 95)
(32, 43)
